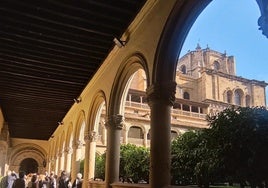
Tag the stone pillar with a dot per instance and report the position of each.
(125, 135)
(161, 97)
(92, 154)
(61, 161)
(104, 136)
(57, 165)
(145, 138)
(86, 162)
(76, 158)
(114, 126)
(68, 159)
(103, 132)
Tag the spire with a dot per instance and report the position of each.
(198, 47)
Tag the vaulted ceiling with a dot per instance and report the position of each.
(49, 51)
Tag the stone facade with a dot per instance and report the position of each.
(206, 84)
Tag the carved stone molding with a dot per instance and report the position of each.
(162, 92)
(115, 121)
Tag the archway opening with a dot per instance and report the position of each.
(29, 165)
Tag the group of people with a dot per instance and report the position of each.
(34, 180)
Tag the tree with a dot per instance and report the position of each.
(239, 135)
(184, 158)
(100, 166)
(134, 162)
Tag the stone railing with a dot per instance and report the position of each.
(98, 184)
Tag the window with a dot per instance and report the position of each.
(238, 97)
(216, 65)
(186, 95)
(229, 96)
(135, 132)
(183, 69)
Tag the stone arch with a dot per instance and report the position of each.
(121, 82)
(80, 126)
(228, 96)
(69, 137)
(172, 38)
(91, 134)
(29, 165)
(24, 151)
(99, 101)
(239, 97)
(162, 85)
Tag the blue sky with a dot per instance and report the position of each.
(231, 26)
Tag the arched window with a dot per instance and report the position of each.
(183, 69)
(238, 97)
(247, 101)
(135, 132)
(229, 96)
(186, 95)
(216, 65)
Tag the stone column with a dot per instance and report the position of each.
(92, 154)
(57, 171)
(68, 159)
(86, 162)
(114, 126)
(76, 158)
(61, 161)
(161, 97)
(125, 135)
(145, 138)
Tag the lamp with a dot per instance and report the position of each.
(60, 123)
(78, 100)
(119, 43)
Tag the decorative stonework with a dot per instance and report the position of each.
(164, 92)
(78, 144)
(69, 150)
(115, 121)
(91, 136)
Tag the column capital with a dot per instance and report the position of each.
(115, 121)
(91, 136)
(69, 150)
(78, 144)
(163, 91)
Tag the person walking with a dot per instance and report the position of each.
(20, 182)
(64, 180)
(78, 181)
